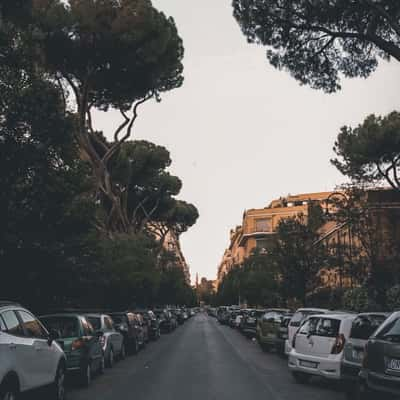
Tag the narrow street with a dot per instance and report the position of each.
(203, 360)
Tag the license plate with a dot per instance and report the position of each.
(394, 365)
(308, 364)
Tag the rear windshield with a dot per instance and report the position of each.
(95, 322)
(327, 327)
(285, 322)
(118, 318)
(65, 326)
(365, 325)
(391, 332)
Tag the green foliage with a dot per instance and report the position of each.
(370, 153)
(298, 260)
(255, 282)
(318, 41)
(359, 300)
(127, 48)
(393, 298)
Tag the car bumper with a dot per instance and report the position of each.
(350, 371)
(381, 383)
(288, 347)
(325, 367)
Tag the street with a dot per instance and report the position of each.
(203, 360)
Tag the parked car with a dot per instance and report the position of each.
(144, 329)
(298, 317)
(380, 375)
(128, 325)
(232, 318)
(318, 346)
(80, 342)
(166, 320)
(362, 328)
(249, 322)
(112, 341)
(223, 315)
(268, 329)
(153, 323)
(29, 356)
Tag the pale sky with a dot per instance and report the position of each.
(240, 132)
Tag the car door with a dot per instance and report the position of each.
(114, 336)
(44, 357)
(22, 351)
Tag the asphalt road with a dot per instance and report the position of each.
(203, 361)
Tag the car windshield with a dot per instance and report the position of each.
(365, 325)
(65, 326)
(391, 332)
(95, 321)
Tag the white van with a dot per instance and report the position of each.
(317, 347)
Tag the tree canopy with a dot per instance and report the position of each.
(318, 41)
(370, 153)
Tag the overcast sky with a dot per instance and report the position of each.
(240, 132)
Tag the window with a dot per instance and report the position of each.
(263, 225)
(365, 325)
(391, 332)
(309, 326)
(262, 244)
(108, 323)
(65, 326)
(13, 326)
(87, 328)
(32, 326)
(328, 327)
(95, 322)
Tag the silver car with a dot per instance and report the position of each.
(112, 341)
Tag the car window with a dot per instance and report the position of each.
(309, 326)
(328, 327)
(95, 322)
(65, 326)
(87, 327)
(32, 326)
(296, 319)
(391, 332)
(13, 326)
(365, 325)
(108, 323)
(119, 318)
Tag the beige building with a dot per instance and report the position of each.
(259, 226)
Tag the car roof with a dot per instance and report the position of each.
(378, 313)
(323, 310)
(339, 316)
(75, 315)
(98, 315)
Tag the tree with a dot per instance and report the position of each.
(317, 41)
(107, 53)
(370, 153)
(298, 259)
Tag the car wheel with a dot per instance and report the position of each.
(58, 388)
(86, 375)
(122, 354)
(301, 377)
(9, 391)
(110, 359)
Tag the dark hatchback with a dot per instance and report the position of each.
(152, 322)
(380, 375)
(128, 324)
(249, 322)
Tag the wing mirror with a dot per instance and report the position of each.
(53, 335)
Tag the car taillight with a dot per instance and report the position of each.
(294, 341)
(78, 344)
(339, 344)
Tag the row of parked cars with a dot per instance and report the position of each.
(361, 351)
(40, 352)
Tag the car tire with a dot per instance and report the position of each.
(122, 354)
(110, 358)
(86, 375)
(301, 377)
(57, 390)
(9, 390)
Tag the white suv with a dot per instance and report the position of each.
(317, 347)
(29, 356)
